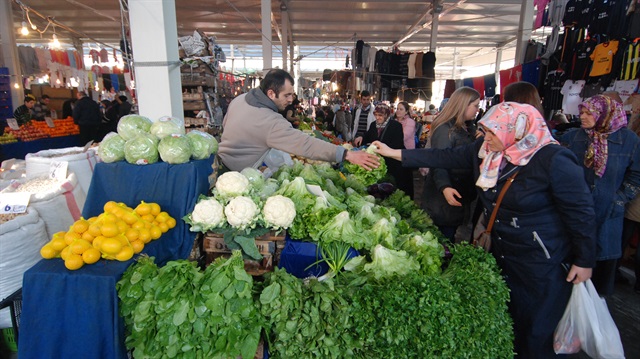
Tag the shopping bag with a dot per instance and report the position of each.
(587, 324)
(481, 237)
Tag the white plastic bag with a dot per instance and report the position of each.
(587, 324)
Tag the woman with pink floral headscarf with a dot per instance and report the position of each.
(610, 156)
(543, 238)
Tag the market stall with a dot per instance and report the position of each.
(20, 150)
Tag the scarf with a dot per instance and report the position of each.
(610, 117)
(521, 129)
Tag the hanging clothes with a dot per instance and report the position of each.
(602, 57)
(571, 96)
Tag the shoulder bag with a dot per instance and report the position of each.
(482, 234)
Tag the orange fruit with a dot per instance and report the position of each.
(58, 243)
(143, 208)
(70, 237)
(162, 217)
(91, 256)
(137, 246)
(97, 242)
(155, 232)
(132, 234)
(144, 235)
(65, 253)
(148, 218)
(171, 222)
(155, 208)
(80, 226)
(164, 227)
(139, 224)
(73, 262)
(130, 218)
(125, 254)
(111, 246)
(47, 251)
(109, 229)
(80, 246)
(109, 206)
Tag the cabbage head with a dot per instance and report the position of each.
(111, 148)
(166, 126)
(131, 125)
(175, 149)
(203, 144)
(142, 149)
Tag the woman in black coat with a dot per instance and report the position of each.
(390, 133)
(543, 238)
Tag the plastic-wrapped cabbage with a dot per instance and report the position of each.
(142, 149)
(175, 149)
(167, 125)
(131, 125)
(111, 148)
(203, 144)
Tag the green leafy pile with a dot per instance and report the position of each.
(368, 177)
(178, 311)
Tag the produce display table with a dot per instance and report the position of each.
(20, 149)
(74, 314)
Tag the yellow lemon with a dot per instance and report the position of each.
(109, 206)
(137, 246)
(144, 235)
(94, 229)
(79, 246)
(97, 242)
(143, 208)
(155, 208)
(162, 217)
(47, 251)
(91, 256)
(122, 226)
(155, 232)
(139, 224)
(148, 218)
(171, 222)
(125, 254)
(164, 227)
(65, 253)
(132, 234)
(70, 237)
(87, 236)
(111, 246)
(73, 262)
(109, 229)
(58, 243)
(80, 226)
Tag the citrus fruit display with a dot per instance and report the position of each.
(118, 233)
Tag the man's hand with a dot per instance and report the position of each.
(366, 160)
(450, 195)
(578, 274)
(357, 141)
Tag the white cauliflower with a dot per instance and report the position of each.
(206, 215)
(242, 212)
(279, 212)
(231, 184)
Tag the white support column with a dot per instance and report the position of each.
(9, 52)
(233, 58)
(154, 40)
(266, 35)
(525, 27)
(497, 72)
(455, 63)
(284, 15)
(296, 71)
(434, 30)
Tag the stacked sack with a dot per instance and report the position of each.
(141, 141)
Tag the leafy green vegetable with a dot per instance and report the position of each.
(389, 263)
(368, 177)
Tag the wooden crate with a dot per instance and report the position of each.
(269, 245)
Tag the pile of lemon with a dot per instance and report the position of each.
(118, 233)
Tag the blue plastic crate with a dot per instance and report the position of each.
(5, 94)
(4, 70)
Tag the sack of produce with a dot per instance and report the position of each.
(175, 149)
(130, 126)
(203, 144)
(58, 202)
(111, 148)
(21, 237)
(166, 126)
(142, 149)
(81, 163)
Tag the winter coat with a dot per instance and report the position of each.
(546, 222)
(619, 185)
(86, 112)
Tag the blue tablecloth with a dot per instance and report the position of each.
(298, 259)
(20, 149)
(74, 314)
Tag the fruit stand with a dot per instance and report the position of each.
(74, 314)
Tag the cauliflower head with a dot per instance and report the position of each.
(232, 184)
(279, 212)
(242, 212)
(207, 214)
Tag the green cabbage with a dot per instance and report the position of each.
(166, 126)
(203, 144)
(142, 149)
(111, 148)
(131, 125)
(175, 149)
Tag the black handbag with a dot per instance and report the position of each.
(482, 234)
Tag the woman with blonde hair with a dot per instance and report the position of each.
(449, 193)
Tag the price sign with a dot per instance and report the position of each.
(54, 114)
(49, 122)
(14, 202)
(58, 170)
(13, 124)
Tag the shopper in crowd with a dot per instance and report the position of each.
(362, 118)
(342, 122)
(124, 106)
(24, 113)
(328, 118)
(631, 223)
(523, 92)
(67, 108)
(253, 127)
(610, 157)
(543, 238)
(390, 133)
(448, 194)
(41, 108)
(86, 114)
(403, 116)
(430, 115)
(291, 112)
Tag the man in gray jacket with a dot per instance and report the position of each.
(253, 127)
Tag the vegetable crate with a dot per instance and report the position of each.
(269, 245)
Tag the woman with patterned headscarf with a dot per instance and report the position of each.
(543, 237)
(610, 158)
